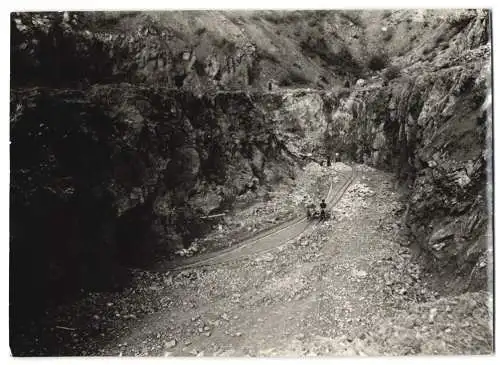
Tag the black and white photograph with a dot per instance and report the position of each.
(250, 183)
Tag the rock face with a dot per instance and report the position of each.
(115, 176)
(431, 126)
(198, 51)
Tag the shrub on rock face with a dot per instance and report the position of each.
(294, 77)
(378, 61)
(461, 18)
(391, 72)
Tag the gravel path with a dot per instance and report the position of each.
(347, 287)
(323, 293)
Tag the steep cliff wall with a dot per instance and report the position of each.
(120, 174)
(430, 124)
(427, 117)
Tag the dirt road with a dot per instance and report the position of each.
(342, 287)
(325, 292)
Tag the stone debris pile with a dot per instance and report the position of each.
(355, 197)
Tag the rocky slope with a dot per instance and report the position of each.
(120, 134)
(195, 50)
(431, 125)
(206, 50)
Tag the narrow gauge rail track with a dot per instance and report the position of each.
(266, 240)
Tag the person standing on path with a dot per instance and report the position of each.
(323, 207)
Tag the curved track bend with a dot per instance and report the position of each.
(267, 240)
